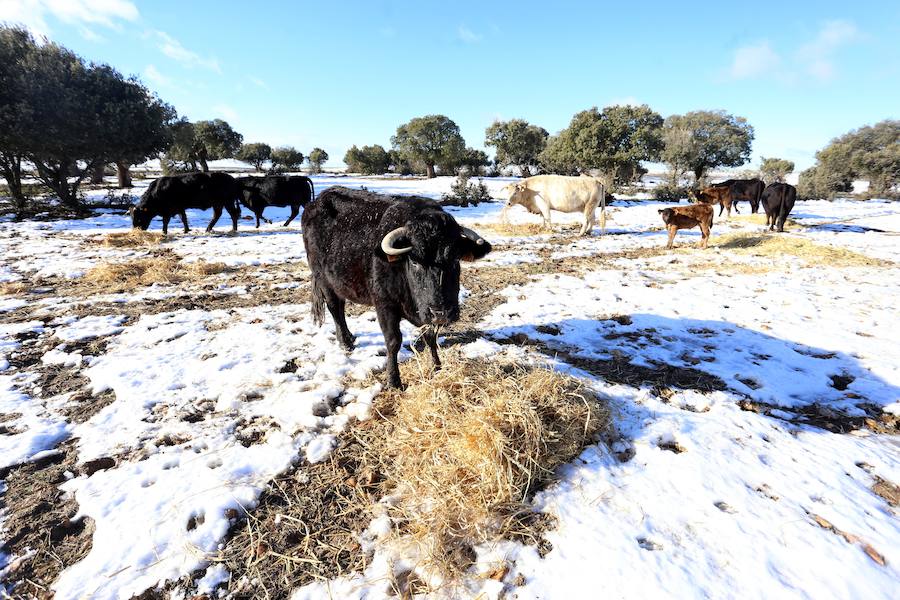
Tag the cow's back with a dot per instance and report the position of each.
(566, 194)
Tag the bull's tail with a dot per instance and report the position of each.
(602, 209)
(317, 301)
(312, 189)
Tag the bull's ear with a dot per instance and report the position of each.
(470, 250)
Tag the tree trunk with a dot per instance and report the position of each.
(429, 170)
(698, 175)
(526, 171)
(11, 166)
(201, 156)
(97, 174)
(124, 174)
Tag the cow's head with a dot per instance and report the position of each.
(667, 214)
(521, 195)
(140, 217)
(428, 250)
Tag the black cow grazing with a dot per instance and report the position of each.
(399, 254)
(276, 190)
(744, 189)
(778, 201)
(170, 196)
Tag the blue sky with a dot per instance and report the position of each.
(336, 74)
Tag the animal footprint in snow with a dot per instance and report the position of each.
(194, 520)
(670, 444)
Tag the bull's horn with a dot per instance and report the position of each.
(387, 244)
(468, 233)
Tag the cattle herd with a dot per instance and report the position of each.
(402, 254)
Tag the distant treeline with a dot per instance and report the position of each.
(66, 120)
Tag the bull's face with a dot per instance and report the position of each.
(666, 214)
(429, 252)
(141, 217)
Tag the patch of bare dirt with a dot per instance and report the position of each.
(824, 417)
(620, 370)
(41, 535)
(887, 490)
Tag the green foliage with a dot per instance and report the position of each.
(474, 161)
(670, 192)
(255, 154)
(463, 193)
(286, 158)
(517, 143)
(203, 141)
(702, 140)
(871, 153)
(317, 158)
(823, 183)
(368, 160)
(431, 140)
(65, 116)
(215, 140)
(775, 169)
(400, 164)
(613, 141)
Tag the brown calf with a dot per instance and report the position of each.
(688, 217)
(718, 195)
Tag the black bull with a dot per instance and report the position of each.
(170, 196)
(778, 201)
(276, 190)
(744, 189)
(398, 254)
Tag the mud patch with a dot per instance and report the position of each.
(41, 537)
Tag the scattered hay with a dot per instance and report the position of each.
(14, 288)
(810, 252)
(505, 228)
(123, 276)
(759, 219)
(135, 238)
(462, 451)
(468, 446)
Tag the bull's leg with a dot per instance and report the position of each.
(258, 215)
(217, 212)
(336, 306)
(736, 211)
(165, 219)
(672, 231)
(722, 208)
(389, 319)
(235, 213)
(184, 221)
(295, 210)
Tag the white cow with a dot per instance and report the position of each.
(543, 193)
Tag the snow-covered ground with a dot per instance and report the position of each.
(221, 385)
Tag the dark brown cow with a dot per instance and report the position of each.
(717, 195)
(688, 217)
(744, 189)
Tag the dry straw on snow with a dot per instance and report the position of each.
(776, 245)
(123, 276)
(469, 445)
(134, 238)
(460, 452)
